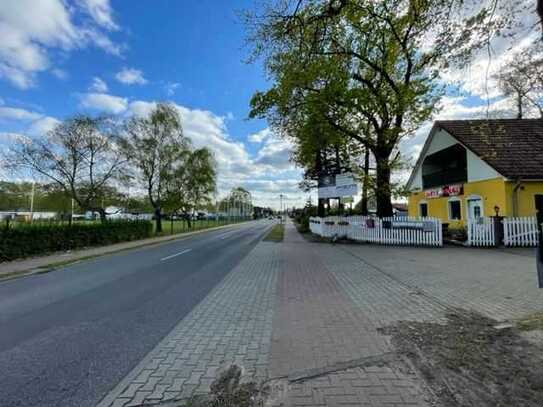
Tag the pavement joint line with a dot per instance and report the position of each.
(176, 254)
(373, 360)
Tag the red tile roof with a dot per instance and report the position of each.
(513, 147)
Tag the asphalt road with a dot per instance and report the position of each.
(69, 336)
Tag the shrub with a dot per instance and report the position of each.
(41, 238)
(302, 222)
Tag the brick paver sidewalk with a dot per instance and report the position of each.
(302, 317)
(232, 325)
(325, 333)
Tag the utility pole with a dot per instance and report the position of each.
(32, 201)
(72, 215)
(281, 206)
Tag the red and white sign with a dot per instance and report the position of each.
(447, 190)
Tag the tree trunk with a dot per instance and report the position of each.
(102, 213)
(539, 9)
(365, 184)
(382, 191)
(519, 106)
(158, 220)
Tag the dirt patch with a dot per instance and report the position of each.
(470, 362)
(228, 390)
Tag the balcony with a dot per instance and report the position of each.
(446, 177)
(444, 167)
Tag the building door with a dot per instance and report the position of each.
(539, 208)
(475, 208)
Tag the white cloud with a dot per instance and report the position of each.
(260, 136)
(131, 76)
(101, 12)
(38, 124)
(171, 87)
(30, 29)
(42, 126)
(478, 77)
(98, 85)
(265, 173)
(275, 154)
(14, 113)
(141, 108)
(104, 103)
(59, 73)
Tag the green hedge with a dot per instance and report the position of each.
(35, 239)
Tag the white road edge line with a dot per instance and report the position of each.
(176, 254)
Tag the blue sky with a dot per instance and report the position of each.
(59, 57)
(119, 57)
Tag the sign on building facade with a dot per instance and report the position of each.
(447, 190)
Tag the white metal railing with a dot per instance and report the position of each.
(392, 231)
(481, 232)
(520, 231)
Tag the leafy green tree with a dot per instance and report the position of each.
(192, 183)
(361, 64)
(155, 144)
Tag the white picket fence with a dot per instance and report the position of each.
(517, 232)
(392, 231)
(520, 231)
(481, 232)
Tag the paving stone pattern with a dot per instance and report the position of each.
(305, 318)
(501, 284)
(327, 316)
(232, 325)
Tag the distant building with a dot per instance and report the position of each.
(475, 168)
(399, 209)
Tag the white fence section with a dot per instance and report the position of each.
(481, 232)
(520, 231)
(393, 231)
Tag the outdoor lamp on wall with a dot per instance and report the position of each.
(497, 210)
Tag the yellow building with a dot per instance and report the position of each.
(473, 168)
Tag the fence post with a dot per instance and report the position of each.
(540, 254)
(498, 230)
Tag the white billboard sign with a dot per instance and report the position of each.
(341, 185)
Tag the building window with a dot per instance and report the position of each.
(423, 209)
(455, 209)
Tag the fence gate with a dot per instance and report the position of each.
(481, 232)
(521, 231)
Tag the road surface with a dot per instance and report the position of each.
(67, 337)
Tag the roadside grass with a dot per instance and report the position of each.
(276, 234)
(531, 322)
(181, 226)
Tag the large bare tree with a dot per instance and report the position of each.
(82, 155)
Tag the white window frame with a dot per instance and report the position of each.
(454, 199)
(423, 202)
(475, 198)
